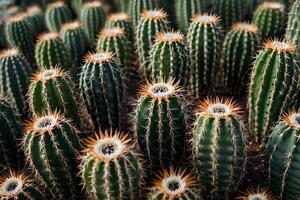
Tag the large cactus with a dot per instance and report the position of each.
(102, 89)
(169, 58)
(50, 145)
(219, 147)
(110, 167)
(36, 18)
(160, 123)
(14, 78)
(138, 6)
(204, 40)
(239, 49)
(273, 82)
(282, 152)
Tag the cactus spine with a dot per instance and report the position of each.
(269, 18)
(36, 18)
(204, 39)
(273, 81)
(175, 184)
(110, 167)
(160, 123)
(50, 145)
(102, 89)
(92, 19)
(239, 48)
(56, 15)
(218, 134)
(137, 7)
(51, 51)
(283, 152)
(14, 78)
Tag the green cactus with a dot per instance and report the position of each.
(273, 82)
(169, 58)
(50, 51)
(256, 193)
(282, 152)
(50, 144)
(219, 147)
(56, 15)
(123, 5)
(102, 89)
(122, 21)
(51, 90)
(175, 184)
(92, 19)
(152, 22)
(204, 40)
(269, 18)
(110, 167)
(160, 123)
(20, 35)
(239, 49)
(137, 7)
(36, 18)
(14, 78)
(19, 186)
(3, 42)
(230, 11)
(77, 6)
(114, 40)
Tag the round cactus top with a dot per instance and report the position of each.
(11, 185)
(160, 90)
(71, 25)
(48, 36)
(280, 46)
(45, 123)
(118, 17)
(206, 19)
(91, 4)
(31, 10)
(293, 119)
(19, 17)
(245, 27)
(154, 14)
(48, 74)
(100, 58)
(9, 53)
(56, 4)
(273, 5)
(257, 194)
(170, 37)
(112, 32)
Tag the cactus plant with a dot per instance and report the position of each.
(51, 51)
(219, 134)
(160, 123)
(273, 82)
(92, 19)
(102, 89)
(14, 78)
(36, 18)
(51, 90)
(56, 15)
(204, 39)
(137, 7)
(175, 184)
(110, 167)
(282, 154)
(152, 22)
(20, 35)
(269, 18)
(50, 144)
(256, 194)
(19, 186)
(239, 48)
(169, 58)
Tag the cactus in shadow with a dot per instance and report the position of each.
(137, 7)
(35, 16)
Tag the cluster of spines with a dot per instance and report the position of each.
(121, 20)
(138, 6)
(256, 193)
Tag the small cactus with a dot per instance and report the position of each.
(137, 7)
(256, 194)
(36, 18)
(110, 167)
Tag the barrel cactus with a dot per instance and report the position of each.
(273, 82)
(110, 167)
(121, 20)
(138, 6)
(256, 193)
(36, 18)
(218, 134)
(204, 40)
(160, 123)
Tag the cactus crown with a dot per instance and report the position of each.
(245, 27)
(48, 36)
(31, 10)
(170, 37)
(71, 25)
(160, 90)
(9, 53)
(18, 17)
(280, 46)
(118, 17)
(157, 14)
(12, 184)
(13, 9)
(293, 119)
(48, 74)
(56, 4)
(206, 19)
(91, 4)
(273, 5)
(256, 194)
(112, 32)
(99, 58)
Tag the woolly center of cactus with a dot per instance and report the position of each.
(218, 109)
(174, 185)
(256, 197)
(170, 37)
(206, 19)
(9, 53)
(153, 14)
(108, 148)
(280, 45)
(112, 32)
(45, 123)
(273, 5)
(48, 74)
(48, 36)
(12, 186)
(161, 90)
(295, 120)
(246, 27)
(119, 17)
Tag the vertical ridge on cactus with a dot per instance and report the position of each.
(110, 167)
(137, 7)
(204, 39)
(256, 194)
(218, 134)
(273, 83)
(36, 18)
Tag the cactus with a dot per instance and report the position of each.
(175, 184)
(219, 134)
(160, 123)
(76, 6)
(137, 7)
(269, 18)
(282, 153)
(256, 194)
(204, 39)
(169, 58)
(152, 22)
(19, 186)
(56, 15)
(20, 35)
(14, 78)
(123, 5)
(110, 167)
(35, 17)
(92, 19)
(230, 11)
(102, 89)
(50, 145)
(273, 82)
(114, 40)
(239, 49)
(51, 90)
(51, 51)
